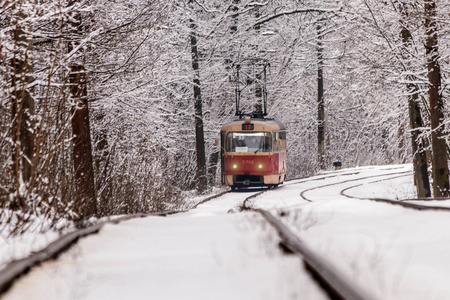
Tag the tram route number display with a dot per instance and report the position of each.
(248, 126)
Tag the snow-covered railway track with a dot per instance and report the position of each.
(15, 269)
(419, 204)
(319, 177)
(202, 251)
(187, 248)
(395, 174)
(362, 240)
(335, 283)
(403, 202)
(247, 205)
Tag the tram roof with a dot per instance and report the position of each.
(277, 125)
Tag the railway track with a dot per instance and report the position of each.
(403, 203)
(336, 284)
(15, 269)
(328, 277)
(303, 193)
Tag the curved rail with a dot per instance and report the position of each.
(302, 194)
(402, 203)
(317, 178)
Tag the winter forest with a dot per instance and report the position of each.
(113, 106)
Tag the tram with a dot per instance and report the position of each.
(253, 153)
(253, 147)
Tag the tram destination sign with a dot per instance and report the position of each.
(248, 126)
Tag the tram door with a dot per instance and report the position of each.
(222, 155)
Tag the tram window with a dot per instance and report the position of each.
(230, 144)
(248, 142)
(276, 136)
(279, 141)
(283, 141)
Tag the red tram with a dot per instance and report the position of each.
(253, 153)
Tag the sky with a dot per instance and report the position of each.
(217, 252)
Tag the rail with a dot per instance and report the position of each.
(336, 284)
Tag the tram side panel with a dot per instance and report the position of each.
(222, 156)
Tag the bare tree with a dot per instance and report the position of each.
(22, 106)
(415, 118)
(198, 104)
(81, 130)
(438, 144)
(320, 101)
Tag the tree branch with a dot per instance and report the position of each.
(287, 13)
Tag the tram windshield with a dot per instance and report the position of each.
(249, 142)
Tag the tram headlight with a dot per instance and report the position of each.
(235, 166)
(260, 166)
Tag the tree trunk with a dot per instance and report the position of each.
(415, 120)
(438, 144)
(213, 162)
(234, 16)
(320, 102)
(82, 145)
(419, 154)
(86, 203)
(22, 110)
(199, 132)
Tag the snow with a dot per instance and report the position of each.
(217, 252)
(396, 253)
(203, 254)
(39, 233)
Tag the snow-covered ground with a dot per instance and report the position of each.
(39, 233)
(203, 254)
(216, 252)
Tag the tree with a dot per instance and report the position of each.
(438, 144)
(22, 105)
(415, 119)
(407, 63)
(82, 147)
(198, 104)
(320, 101)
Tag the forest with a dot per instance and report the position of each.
(111, 107)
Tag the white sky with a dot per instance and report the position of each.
(215, 252)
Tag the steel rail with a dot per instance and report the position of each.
(317, 178)
(302, 194)
(335, 283)
(208, 199)
(245, 205)
(402, 203)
